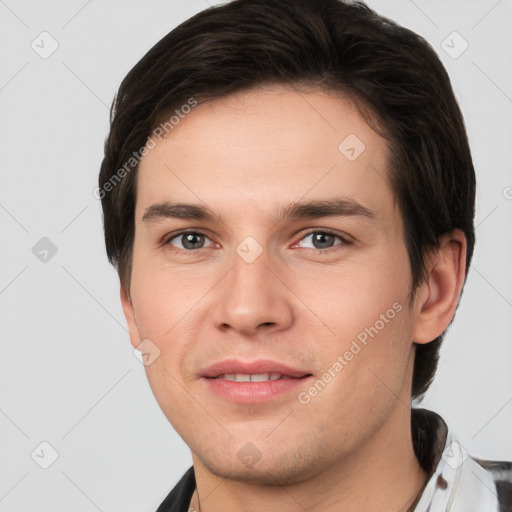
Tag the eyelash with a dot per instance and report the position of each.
(344, 240)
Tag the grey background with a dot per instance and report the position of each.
(68, 375)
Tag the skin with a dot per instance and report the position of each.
(246, 156)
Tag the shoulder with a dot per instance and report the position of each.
(501, 474)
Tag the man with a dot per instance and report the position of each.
(288, 197)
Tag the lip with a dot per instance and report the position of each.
(253, 392)
(253, 367)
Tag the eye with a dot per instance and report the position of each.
(189, 241)
(323, 240)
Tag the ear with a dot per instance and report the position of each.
(438, 296)
(129, 314)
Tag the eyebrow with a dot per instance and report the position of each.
(334, 207)
(161, 211)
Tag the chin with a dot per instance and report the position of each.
(285, 470)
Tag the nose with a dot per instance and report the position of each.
(252, 298)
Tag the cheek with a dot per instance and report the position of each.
(169, 311)
(163, 296)
(363, 372)
(351, 297)
(365, 326)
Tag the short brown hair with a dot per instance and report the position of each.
(392, 74)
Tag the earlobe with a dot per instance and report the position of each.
(129, 314)
(438, 296)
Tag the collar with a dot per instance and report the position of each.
(456, 482)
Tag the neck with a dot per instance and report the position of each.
(383, 475)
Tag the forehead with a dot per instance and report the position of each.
(266, 146)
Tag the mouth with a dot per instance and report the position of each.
(262, 369)
(256, 377)
(253, 382)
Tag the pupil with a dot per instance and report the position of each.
(322, 240)
(188, 241)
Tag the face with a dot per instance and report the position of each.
(271, 277)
